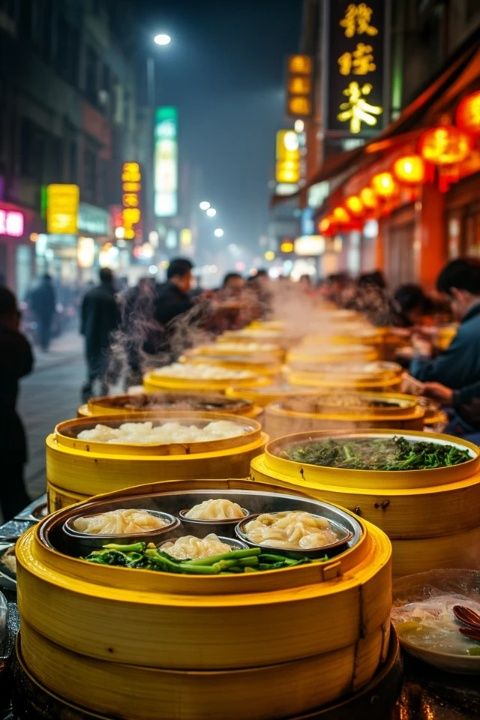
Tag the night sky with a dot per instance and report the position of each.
(225, 72)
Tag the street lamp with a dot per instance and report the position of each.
(204, 205)
(211, 212)
(219, 232)
(162, 39)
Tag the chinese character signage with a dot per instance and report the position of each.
(356, 67)
(131, 190)
(62, 209)
(299, 86)
(287, 165)
(166, 162)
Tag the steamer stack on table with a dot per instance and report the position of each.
(78, 469)
(431, 516)
(141, 645)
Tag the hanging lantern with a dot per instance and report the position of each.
(468, 114)
(444, 145)
(354, 205)
(340, 215)
(368, 198)
(384, 185)
(409, 169)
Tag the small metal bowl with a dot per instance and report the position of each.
(234, 543)
(344, 536)
(200, 528)
(84, 543)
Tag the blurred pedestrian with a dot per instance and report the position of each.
(100, 317)
(16, 360)
(171, 312)
(42, 301)
(141, 333)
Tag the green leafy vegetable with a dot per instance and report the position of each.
(395, 453)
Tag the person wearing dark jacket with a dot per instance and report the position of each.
(459, 365)
(42, 301)
(16, 360)
(100, 317)
(171, 302)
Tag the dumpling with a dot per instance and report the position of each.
(215, 509)
(189, 547)
(290, 529)
(119, 522)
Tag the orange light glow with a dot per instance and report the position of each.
(444, 145)
(468, 114)
(354, 205)
(409, 169)
(324, 225)
(341, 215)
(384, 185)
(368, 198)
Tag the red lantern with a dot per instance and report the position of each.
(468, 114)
(340, 215)
(444, 145)
(354, 205)
(409, 169)
(384, 185)
(368, 198)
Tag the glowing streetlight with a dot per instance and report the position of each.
(219, 232)
(204, 205)
(162, 39)
(211, 212)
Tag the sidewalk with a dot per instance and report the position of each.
(47, 396)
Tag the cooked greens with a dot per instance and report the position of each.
(148, 557)
(363, 453)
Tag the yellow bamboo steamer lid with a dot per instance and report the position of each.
(372, 376)
(143, 693)
(263, 396)
(410, 513)
(326, 353)
(155, 382)
(158, 403)
(157, 619)
(269, 352)
(86, 468)
(257, 364)
(356, 411)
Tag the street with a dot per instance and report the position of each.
(50, 394)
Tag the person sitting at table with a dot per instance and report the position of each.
(459, 365)
(465, 404)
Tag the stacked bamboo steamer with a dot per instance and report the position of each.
(77, 469)
(155, 403)
(302, 412)
(144, 645)
(431, 516)
(202, 378)
(374, 376)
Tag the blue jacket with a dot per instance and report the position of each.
(459, 365)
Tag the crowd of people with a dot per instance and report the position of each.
(128, 330)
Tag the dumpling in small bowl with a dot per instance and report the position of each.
(215, 509)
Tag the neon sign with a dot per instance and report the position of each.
(12, 223)
(131, 189)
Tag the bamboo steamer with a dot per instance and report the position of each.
(273, 392)
(325, 353)
(271, 352)
(431, 516)
(78, 469)
(260, 363)
(141, 644)
(371, 702)
(318, 412)
(378, 376)
(153, 382)
(132, 405)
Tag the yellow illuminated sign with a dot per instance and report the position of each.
(357, 20)
(356, 109)
(62, 209)
(360, 61)
(131, 188)
(287, 167)
(299, 86)
(286, 246)
(185, 238)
